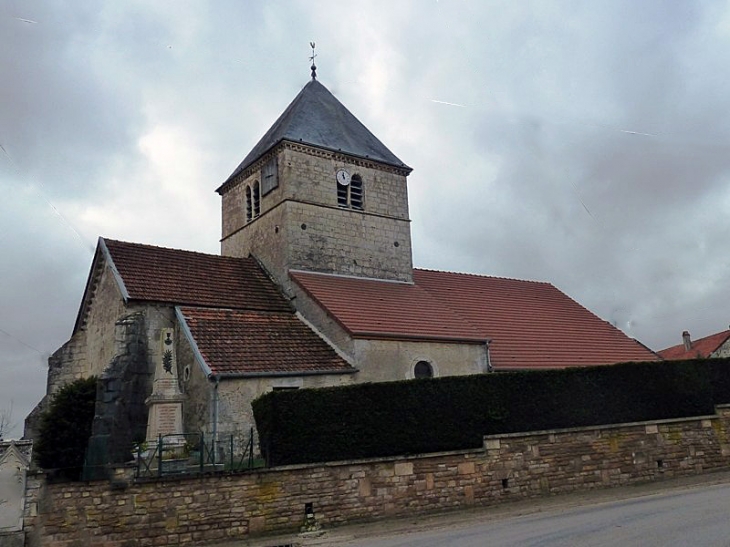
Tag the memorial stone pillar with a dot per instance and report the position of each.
(165, 403)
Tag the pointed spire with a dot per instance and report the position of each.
(314, 67)
(315, 117)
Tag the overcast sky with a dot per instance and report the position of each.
(586, 144)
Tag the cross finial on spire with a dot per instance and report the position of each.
(314, 67)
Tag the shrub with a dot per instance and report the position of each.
(719, 370)
(65, 428)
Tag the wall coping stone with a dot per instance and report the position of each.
(604, 426)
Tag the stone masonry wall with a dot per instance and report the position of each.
(392, 360)
(302, 227)
(308, 174)
(121, 413)
(509, 467)
(67, 364)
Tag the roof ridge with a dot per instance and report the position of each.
(163, 248)
(485, 276)
(346, 276)
(236, 310)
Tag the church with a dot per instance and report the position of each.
(314, 287)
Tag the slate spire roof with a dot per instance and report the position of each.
(317, 118)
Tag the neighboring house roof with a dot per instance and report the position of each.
(704, 347)
(15, 452)
(530, 324)
(252, 343)
(317, 118)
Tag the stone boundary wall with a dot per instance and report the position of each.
(508, 467)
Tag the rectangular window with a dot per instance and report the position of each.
(269, 176)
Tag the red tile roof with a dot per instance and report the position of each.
(703, 347)
(373, 308)
(180, 277)
(239, 342)
(531, 324)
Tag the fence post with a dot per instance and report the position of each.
(201, 451)
(159, 456)
(250, 448)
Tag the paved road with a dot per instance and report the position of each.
(691, 511)
(698, 517)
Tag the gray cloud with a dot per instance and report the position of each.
(589, 150)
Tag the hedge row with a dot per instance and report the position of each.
(418, 416)
(719, 371)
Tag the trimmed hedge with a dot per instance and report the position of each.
(451, 413)
(719, 370)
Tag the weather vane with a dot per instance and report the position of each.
(314, 67)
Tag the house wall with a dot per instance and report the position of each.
(722, 351)
(236, 506)
(102, 335)
(198, 390)
(67, 363)
(102, 347)
(302, 227)
(388, 360)
(120, 417)
(106, 309)
(236, 394)
(323, 323)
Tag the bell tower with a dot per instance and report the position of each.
(319, 192)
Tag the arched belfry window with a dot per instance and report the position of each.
(253, 201)
(256, 199)
(350, 195)
(249, 204)
(423, 369)
(356, 192)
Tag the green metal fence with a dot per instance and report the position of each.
(198, 453)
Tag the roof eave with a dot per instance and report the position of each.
(101, 255)
(366, 335)
(243, 167)
(193, 344)
(274, 374)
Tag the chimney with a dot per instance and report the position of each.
(687, 341)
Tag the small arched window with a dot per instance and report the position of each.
(253, 201)
(423, 369)
(256, 199)
(249, 205)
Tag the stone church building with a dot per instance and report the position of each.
(314, 287)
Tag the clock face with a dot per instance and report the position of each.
(343, 177)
